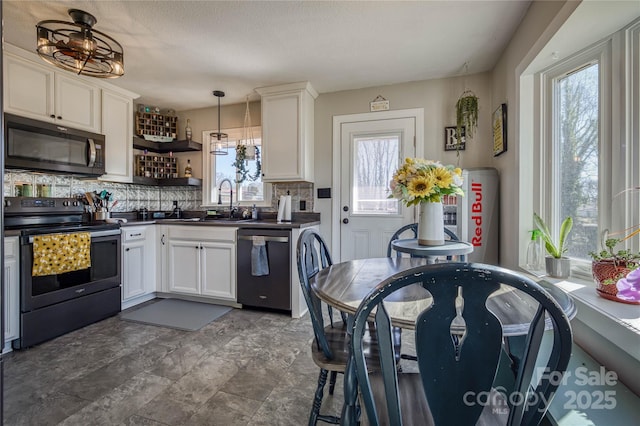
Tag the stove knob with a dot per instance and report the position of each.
(7, 203)
(76, 203)
(65, 203)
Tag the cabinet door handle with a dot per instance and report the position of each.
(162, 239)
(127, 249)
(52, 116)
(136, 235)
(59, 118)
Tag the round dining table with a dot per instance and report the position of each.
(344, 285)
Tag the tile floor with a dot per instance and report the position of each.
(245, 368)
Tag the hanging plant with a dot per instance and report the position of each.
(466, 114)
(241, 163)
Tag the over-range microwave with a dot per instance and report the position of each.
(36, 145)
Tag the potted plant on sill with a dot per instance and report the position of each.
(556, 265)
(617, 273)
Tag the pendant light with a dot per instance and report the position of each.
(77, 47)
(219, 141)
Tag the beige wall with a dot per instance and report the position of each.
(539, 24)
(437, 97)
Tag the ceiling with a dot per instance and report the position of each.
(178, 52)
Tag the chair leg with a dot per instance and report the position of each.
(330, 310)
(317, 400)
(332, 381)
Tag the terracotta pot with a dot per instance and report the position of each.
(606, 274)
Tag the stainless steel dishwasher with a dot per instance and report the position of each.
(267, 291)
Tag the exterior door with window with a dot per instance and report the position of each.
(370, 153)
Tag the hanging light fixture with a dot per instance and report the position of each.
(76, 47)
(219, 141)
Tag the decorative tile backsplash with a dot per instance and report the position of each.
(130, 196)
(300, 191)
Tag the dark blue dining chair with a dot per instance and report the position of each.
(413, 228)
(330, 349)
(458, 345)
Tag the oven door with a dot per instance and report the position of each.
(104, 273)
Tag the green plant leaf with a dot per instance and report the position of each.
(565, 228)
(551, 247)
(545, 234)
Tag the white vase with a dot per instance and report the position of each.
(431, 225)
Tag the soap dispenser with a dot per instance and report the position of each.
(177, 211)
(534, 251)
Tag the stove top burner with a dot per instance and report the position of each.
(37, 216)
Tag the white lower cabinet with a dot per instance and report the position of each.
(138, 265)
(201, 261)
(11, 296)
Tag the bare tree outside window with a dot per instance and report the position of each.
(377, 159)
(578, 124)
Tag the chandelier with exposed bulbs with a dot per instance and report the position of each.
(77, 47)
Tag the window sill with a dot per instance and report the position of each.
(618, 322)
(609, 331)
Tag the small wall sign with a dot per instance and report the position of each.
(500, 130)
(379, 104)
(450, 140)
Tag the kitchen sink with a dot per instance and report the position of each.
(226, 219)
(207, 219)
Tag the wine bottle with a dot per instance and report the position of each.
(187, 130)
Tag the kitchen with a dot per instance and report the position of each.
(436, 96)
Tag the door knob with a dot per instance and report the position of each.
(345, 208)
(345, 220)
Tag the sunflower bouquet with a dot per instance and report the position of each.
(420, 181)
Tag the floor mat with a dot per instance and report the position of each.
(176, 313)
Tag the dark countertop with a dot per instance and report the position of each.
(259, 223)
(194, 218)
(267, 221)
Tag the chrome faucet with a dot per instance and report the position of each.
(230, 195)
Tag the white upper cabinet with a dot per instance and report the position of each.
(77, 103)
(117, 127)
(36, 91)
(287, 132)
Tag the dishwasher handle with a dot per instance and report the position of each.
(267, 238)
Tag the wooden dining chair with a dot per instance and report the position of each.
(330, 349)
(412, 230)
(458, 345)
